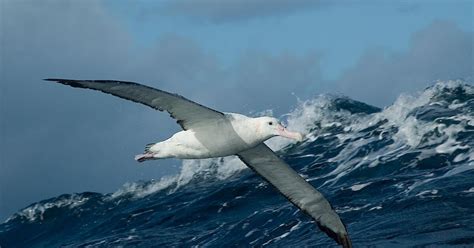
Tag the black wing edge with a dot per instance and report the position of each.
(75, 83)
(340, 238)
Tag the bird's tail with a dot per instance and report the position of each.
(148, 146)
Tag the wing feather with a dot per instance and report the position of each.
(299, 192)
(187, 113)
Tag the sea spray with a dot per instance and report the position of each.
(410, 164)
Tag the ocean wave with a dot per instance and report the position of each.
(36, 211)
(377, 166)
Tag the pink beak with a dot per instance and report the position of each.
(292, 135)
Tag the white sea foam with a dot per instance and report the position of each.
(375, 208)
(293, 228)
(350, 209)
(452, 172)
(410, 132)
(357, 187)
(410, 129)
(471, 190)
(428, 193)
(37, 210)
(219, 168)
(252, 232)
(303, 118)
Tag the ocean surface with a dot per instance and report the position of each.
(402, 176)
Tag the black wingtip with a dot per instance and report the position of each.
(341, 238)
(344, 241)
(57, 79)
(70, 82)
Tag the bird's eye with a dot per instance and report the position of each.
(270, 123)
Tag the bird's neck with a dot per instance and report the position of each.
(249, 129)
(255, 125)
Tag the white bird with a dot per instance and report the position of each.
(208, 133)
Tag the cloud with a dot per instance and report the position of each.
(438, 52)
(256, 81)
(274, 81)
(57, 139)
(409, 7)
(237, 10)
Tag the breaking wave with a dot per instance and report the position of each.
(398, 176)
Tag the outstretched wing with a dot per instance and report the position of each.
(299, 192)
(188, 114)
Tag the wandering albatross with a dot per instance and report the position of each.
(208, 133)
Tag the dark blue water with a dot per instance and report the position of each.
(398, 177)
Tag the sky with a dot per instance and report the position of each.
(241, 56)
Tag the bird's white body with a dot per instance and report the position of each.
(213, 139)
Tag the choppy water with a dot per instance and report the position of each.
(398, 177)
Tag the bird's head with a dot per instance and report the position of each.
(270, 127)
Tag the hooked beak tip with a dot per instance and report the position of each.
(299, 137)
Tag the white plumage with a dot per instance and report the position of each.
(230, 135)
